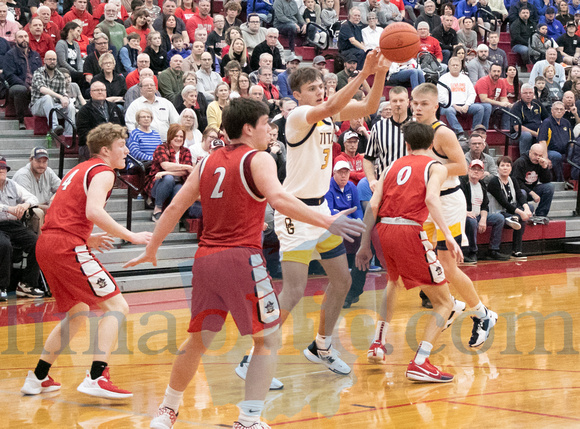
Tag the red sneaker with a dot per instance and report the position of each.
(377, 353)
(164, 418)
(427, 372)
(102, 387)
(34, 386)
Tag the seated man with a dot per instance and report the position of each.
(41, 181)
(49, 92)
(554, 135)
(350, 39)
(476, 147)
(207, 79)
(288, 20)
(14, 202)
(531, 113)
(478, 218)
(532, 173)
(352, 157)
(493, 90)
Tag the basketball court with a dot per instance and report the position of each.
(524, 375)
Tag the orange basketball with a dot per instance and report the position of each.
(399, 42)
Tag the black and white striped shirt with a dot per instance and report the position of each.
(386, 143)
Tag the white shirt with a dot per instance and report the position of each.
(164, 114)
(462, 90)
(207, 83)
(371, 37)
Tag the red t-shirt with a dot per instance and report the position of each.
(57, 20)
(184, 14)
(44, 44)
(356, 164)
(197, 21)
(431, 44)
(85, 17)
(494, 90)
(132, 79)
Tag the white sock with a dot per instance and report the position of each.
(381, 332)
(250, 354)
(322, 342)
(172, 399)
(250, 412)
(423, 352)
(480, 310)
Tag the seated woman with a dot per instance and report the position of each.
(68, 51)
(115, 83)
(243, 87)
(232, 33)
(140, 21)
(169, 29)
(191, 99)
(143, 140)
(330, 84)
(201, 149)
(506, 197)
(128, 53)
(188, 122)
(406, 74)
(214, 109)
(459, 51)
(169, 170)
(239, 53)
(157, 55)
(232, 74)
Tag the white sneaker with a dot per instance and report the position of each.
(482, 327)
(259, 425)
(323, 38)
(242, 371)
(102, 387)
(458, 308)
(164, 418)
(34, 386)
(513, 223)
(328, 358)
(3, 295)
(316, 38)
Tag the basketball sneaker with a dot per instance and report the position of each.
(482, 328)
(377, 353)
(25, 291)
(164, 418)
(242, 371)
(458, 308)
(329, 358)
(102, 387)
(427, 372)
(259, 425)
(34, 386)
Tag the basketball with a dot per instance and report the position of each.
(399, 42)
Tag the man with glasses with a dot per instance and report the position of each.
(216, 39)
(372, 33)
(116, 32)
(266, 61)
(91, 65)
(476, 146)
(49, 92)
(554, 135)
(207, 80)
(268, 46)
(38, 39)
(253, 34)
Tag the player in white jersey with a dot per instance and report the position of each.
(309, 135)
(447, 150)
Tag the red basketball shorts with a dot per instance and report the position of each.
(409, 255)
(233, 280)
(72, 271)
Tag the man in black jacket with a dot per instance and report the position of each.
(446, 36)
(268, 46)
(19, 65)
(516, 8)
(95, 112)
(478, 217)
(429, 16)
(521, 31)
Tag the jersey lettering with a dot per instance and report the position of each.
(403, 175)
(216, 191)
(326, 156)
(69, 180)
(325, 139)
(289, 225)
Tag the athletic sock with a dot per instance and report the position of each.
(97, 369)
(250, 412)
(423, 352)
(172, 399)
(42, 368)
(322, 342)
(480, 310)
(250, 355)
(381, 332)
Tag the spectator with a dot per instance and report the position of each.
(554, 88)
(201, 149)
(531, 113)
(446, 36)
(171, 166)
(243, 88)
(91, 65)
(466, 36)
(367, 7)
(157, 55)
(49, 27)
(538, 69)
(532, 173)
(95, 112)
(513, 84)
(554, 135)
(353, 158)
(207, 80)
(569, 44)
(459, 52)
(260, 8)
(191, 99)
(8, 29)
(319, 63)
(164, 112)
(507, 199)
(343, 194)
(143, 140)
(496, 54)
(429, 43)
(48, 91)
(193, 62)
(257, 93)
(216, 39)
(465, 9)
(129, 53)
(292, 63)
(265, 61)
(406, 74)
(521, 30)
(152, 9)
(329, 16)
(167, 31)
(388, 13)
(41, 181)
(140, 21)
(169, 8)
(73, 92)
(20, 63)
(215, 108)
(476, 153)
(288, 20)
(171, 79)
(201, 18)
(253, 34)
(448, 9)
(39, 40)
(359, 127)
(516, 8)
(79, 11)
(429, 16)
(188, 121)
(462, 100)
(14, 202)
(478, 218)
(350, 64)
(115, 83)
(287, 105)
(133, 78)
(186, 10)
(479, 67)
(232, 9)
(232, 74)
(555, 27)
(372, 34)
(491, 89)
(498, 8)
(268, 46)
(350, 40)
(564, 15)
(278, 151)
(384, 112)
(540, 43)
(485, 20)
(541, 92)
(571, 109)
(115, 31)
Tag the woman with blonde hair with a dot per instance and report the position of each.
(115, 83)
(238, 52)
(214, 110)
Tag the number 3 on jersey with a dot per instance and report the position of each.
(326, 156)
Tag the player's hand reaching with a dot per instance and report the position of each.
(146, 256)
(141, 237)
(346, 227)
(384, 63)
(363, 258)
(100, 241)
(371, 62)
(454, 248)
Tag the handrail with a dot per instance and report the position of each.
(574, 144)
(57, 137)
(485, 30)
(327, 43)
(130, 186)
(448, 92)
(496, 116)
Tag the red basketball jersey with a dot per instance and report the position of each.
(67, 212)
(233, 210)
(405, 187)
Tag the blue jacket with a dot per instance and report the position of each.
(555, 28)
(15, 65)
(259, 6)
(283, 86)
(338, 200)
(464, 10)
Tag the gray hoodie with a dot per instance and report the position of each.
(253, 39)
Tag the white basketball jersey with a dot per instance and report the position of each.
(451, 181)
(309, 155)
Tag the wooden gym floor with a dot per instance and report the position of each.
(525, 375)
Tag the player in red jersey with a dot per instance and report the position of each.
(76, 277)
(403, 199)
(229, 273)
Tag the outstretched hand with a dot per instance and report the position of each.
(346, 227)
(371, 62)
(100, 241)
(142, 258)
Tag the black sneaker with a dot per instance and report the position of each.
(518, 256)
(3, 295)
(513, 222)
(494, 255)
(469, 259)
(25, 291)
(426, 303)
